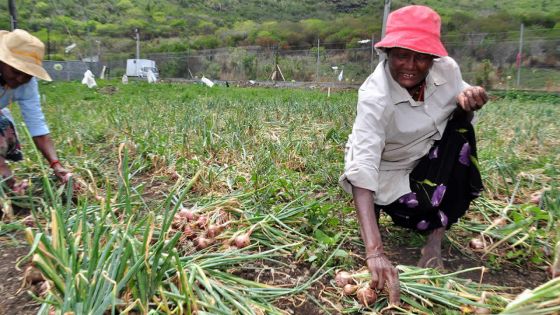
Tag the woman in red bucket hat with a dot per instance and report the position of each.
(21, 56)
(412, 150)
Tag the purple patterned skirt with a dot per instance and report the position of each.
(444, 182)
(10, 148)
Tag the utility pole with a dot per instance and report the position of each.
(49, 42)
(137, 50)
(386, 11)
(385, 15)
(137, 43)
(372, 44)
(13, 14)
(519, 55)
(318, 56)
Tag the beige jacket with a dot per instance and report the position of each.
(392, 131)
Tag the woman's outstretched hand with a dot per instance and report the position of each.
(472, 98)
(383, 273)
(62, 173)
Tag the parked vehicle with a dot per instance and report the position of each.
(140, 68)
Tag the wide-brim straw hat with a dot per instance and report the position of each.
(23, 52)
(414, 27)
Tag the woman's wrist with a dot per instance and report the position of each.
(375, 255)
(54, 163)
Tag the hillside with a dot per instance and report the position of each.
(180, 25)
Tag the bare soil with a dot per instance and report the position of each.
(14, 296)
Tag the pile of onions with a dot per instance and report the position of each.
(364, 294)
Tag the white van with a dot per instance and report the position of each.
(140, 67)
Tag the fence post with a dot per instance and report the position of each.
(519, 56)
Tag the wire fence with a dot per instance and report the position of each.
(494, 64)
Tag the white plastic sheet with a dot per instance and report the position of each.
(341, 75)
(206, 81)
(89, 79)
(151, 76)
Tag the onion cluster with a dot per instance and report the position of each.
(195, 228)
(364, 294)
(202, 230)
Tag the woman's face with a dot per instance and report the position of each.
(13, 77)
(407, 67)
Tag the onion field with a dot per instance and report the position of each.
(225, 200)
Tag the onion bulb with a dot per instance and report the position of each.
(186, 214)
(33, 275)
(188, 231)
(536, 197)
(349, 289)
(45, 287)
(29, 221)
(201, 221)
(243, 240)
(213, 230)
(482, 310)
(203, 242)
(501, 221)
(343, 278)
(366, 295)
(476, 243)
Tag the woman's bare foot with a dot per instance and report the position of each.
(431, 252)
(431, 258)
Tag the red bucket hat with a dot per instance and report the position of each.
(414, 27)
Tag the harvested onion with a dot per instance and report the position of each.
(213, 230)
(501, 221)
(343, 278)
(482, 310)
(29, 221)
(201, 221)
(188, 231)
(476, 243)
(349, 289)
(203, 242)
(186, 214)
(44, 288)
(366, 296)
(32, 275)
(243, 240)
